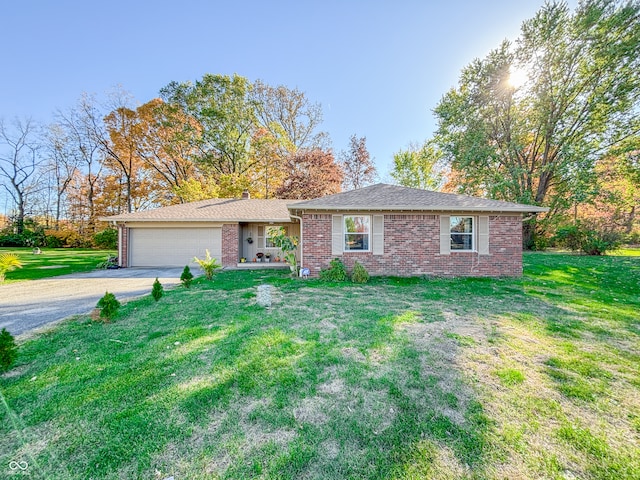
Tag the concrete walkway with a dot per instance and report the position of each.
(25, 306)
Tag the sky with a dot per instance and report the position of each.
(378, 68)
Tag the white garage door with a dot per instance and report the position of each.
(172, 247)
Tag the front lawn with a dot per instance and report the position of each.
(52, 262)
(400, 378)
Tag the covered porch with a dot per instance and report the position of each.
(256, 247)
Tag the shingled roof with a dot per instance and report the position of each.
(385, 197)
(213, 210)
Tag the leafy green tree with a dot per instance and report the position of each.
(536, 140)
(224, 120)
(418, 167)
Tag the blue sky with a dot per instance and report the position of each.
(377, 67)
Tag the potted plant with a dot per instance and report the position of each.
(267, 257)
(243, 260)
(259, 256)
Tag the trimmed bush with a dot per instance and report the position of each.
(8, 350)
(108, 306)
(335, 273)
(186, 277)
(157, 291)
(359, 274)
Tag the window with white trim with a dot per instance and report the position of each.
(357, 233)
(462, 234)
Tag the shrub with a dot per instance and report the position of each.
(157, 291)
(53, 241)
(588, 239)
(8, 350)
(568, 237)
(598, 242)
(8, 262)
(335, 273)
(107, 239)
(632, 238)
(108, 306)
(27, 238)
(12, 240)
(186, 277)
(65, 238)
(359, 274)
(209, 265)
(287, 246)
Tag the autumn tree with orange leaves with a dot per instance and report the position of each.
(311, 174)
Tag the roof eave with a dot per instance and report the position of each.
(353, 208)
(198, 220)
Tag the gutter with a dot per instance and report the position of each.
(300, 243)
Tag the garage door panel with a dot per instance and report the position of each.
(176, 247)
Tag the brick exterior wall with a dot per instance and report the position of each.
(412, 248)
(230, 238)
(123, 251)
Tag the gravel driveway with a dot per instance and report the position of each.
(25, 306)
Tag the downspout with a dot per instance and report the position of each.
(300, 242)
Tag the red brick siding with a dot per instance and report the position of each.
(412, 247)
(230, 254)
(123, 251)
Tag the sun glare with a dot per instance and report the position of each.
(517, 77)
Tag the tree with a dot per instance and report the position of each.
(615, 207)
(537, 142)
(223, 120)
(290, 118)
(357, 167)
(62, 164)
(418, 167)
(312, 174)
(19, 163)
(82, 126)
(120, 140)
(164, 150)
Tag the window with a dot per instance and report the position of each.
(357, 230)
(461, 229)
(270, 232)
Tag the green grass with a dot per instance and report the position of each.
(53, 262)
(400, 378)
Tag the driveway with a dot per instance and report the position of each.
(25, 306)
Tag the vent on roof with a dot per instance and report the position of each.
(246, 195)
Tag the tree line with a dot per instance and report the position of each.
(214, 137)
(552, 119)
